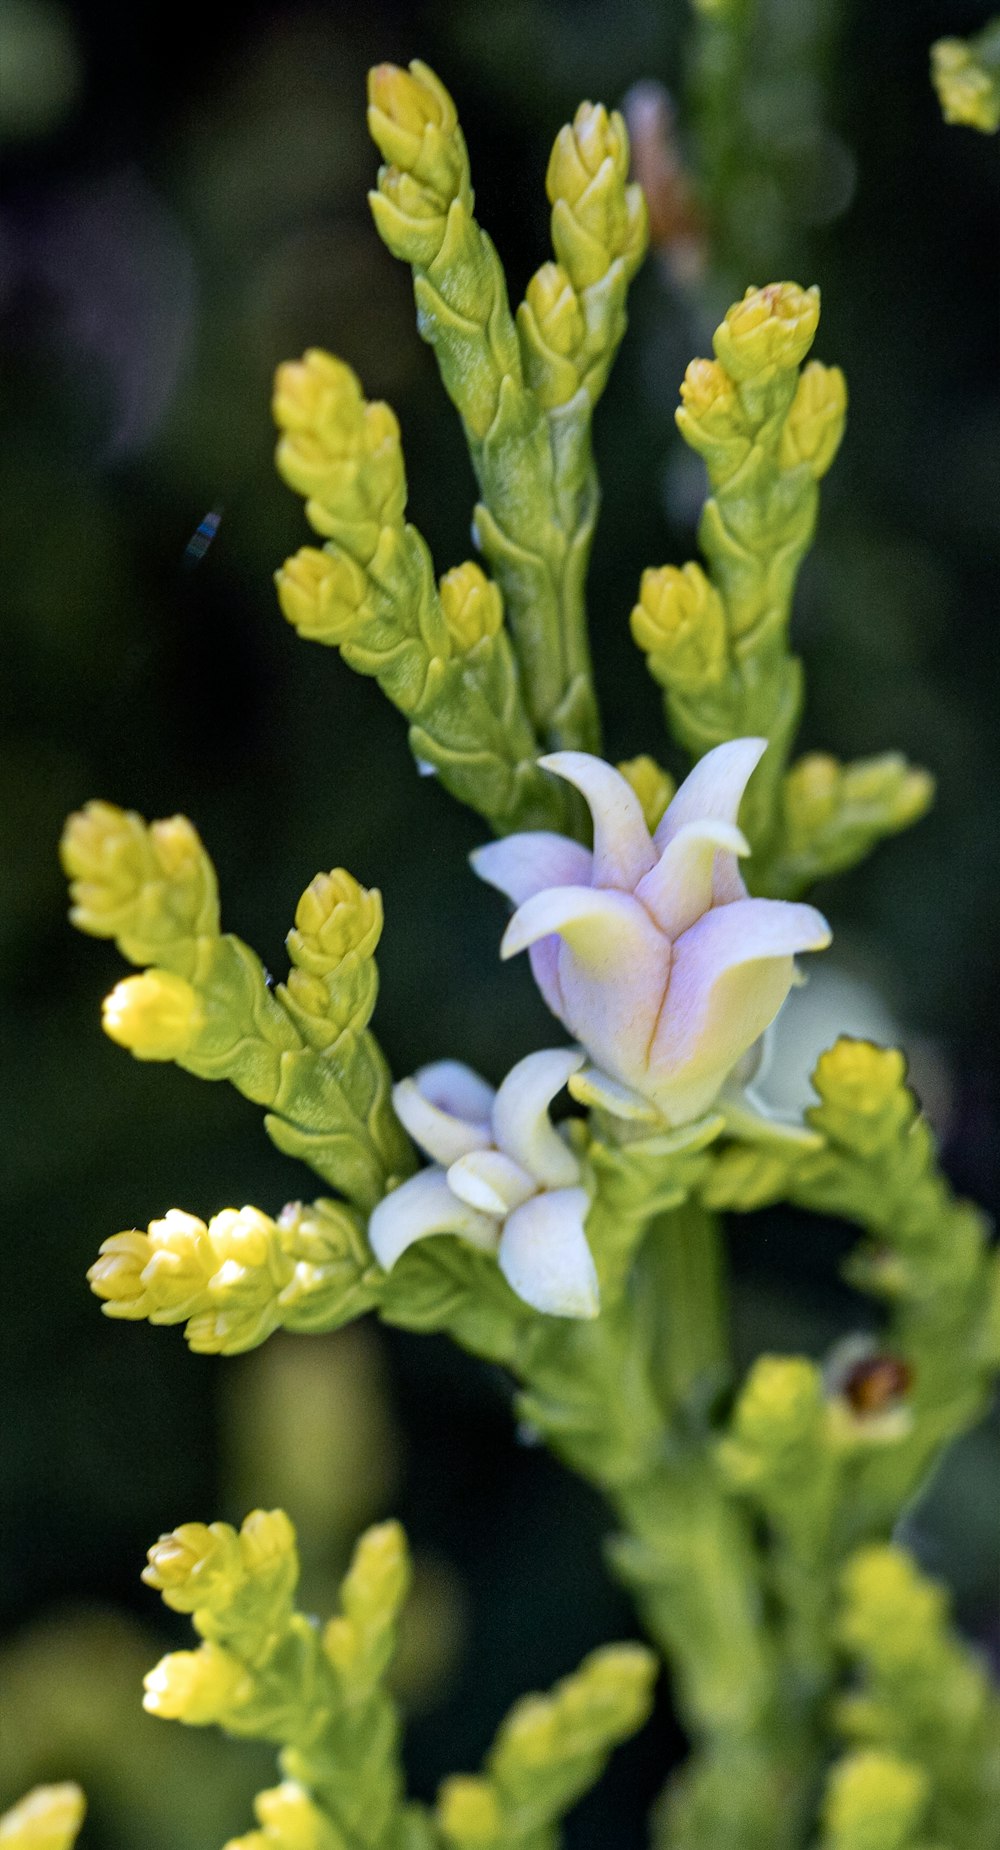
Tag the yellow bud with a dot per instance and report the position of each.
(181, 1263)
(410, 217)
(104, 853)
(891, 1610)
(874, 1801)
(323, 594)
(815, 422)
(858, 1077)
(596, 217)
(320, 394)
(472, 605)
(771, 328)
(196, 1565)
(335, 918)
(156, 1015)
(197, 1687)
(968, 93)
(556, 309)
(414, 124)
(117, 1275)
(378, 1578)
(653, 786)
(47, 1818)
(292, 1822)
(781, 1405)
(141, 885)
(680, 623)
(468, 1812)
(268, 1548)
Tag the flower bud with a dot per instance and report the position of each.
(680, 623)
(414, 124)
(468, 1813)
(472, 605)
(771, 328)
(653, 786)
(47, 1818)
(117, 1275)
(874, 1801)
(815, 423)
(195, 1565)
(323, 594)
(197, 1687)
(156, 1015)
(104, 853)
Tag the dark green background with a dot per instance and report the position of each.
(197, 215)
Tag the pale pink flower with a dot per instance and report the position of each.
(504, 1178)
(648, 948)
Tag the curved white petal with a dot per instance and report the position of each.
(731, 973)
(623, 851)
(612, 971)
(521, 865)
(521, 1123)
(544, 1254)
(601, 926)
(680, 887)
(446, 1109)
(594, 1088)
(422, 1206)
(544, 959)
(713, 791)
(490, 1181)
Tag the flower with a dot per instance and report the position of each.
(503, 1178)
(649, 949)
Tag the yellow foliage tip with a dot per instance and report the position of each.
(815, 423)
(874, 1801)
(336, 917)
(966, 76)
(323, 595)
(771, 329)
(47, 1818)
(157, 1015)
(680, 624)
(653, 786)
(597, 218)
(123, 872)
(472, 605)
(289, 1820)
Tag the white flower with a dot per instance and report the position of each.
(649, 949)
(503, 1178)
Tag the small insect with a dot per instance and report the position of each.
(201, 539)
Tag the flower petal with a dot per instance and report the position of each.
(446, 1109)
(679, 888)
(521, 865)
(713, 791)
(521, 1123)
(623, 851)
(544, 960)
(544, 1254)
(420, 1207)
(731, 973)
(491, 1181)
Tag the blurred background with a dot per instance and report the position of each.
(183, 209)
